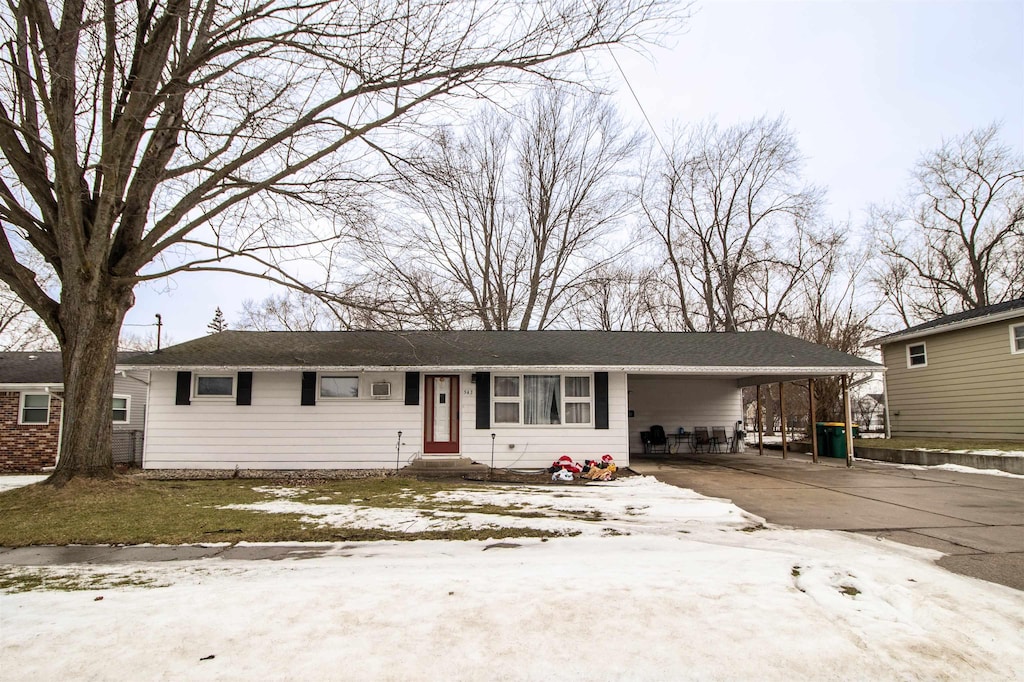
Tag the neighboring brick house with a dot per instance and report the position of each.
(31, 411)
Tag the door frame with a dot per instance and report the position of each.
(451, 446)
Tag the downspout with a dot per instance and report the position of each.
(885, 406)
(60, 425)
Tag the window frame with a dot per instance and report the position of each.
(196, 395)
(924, 349)
(21, 409)
(337, 398)
(1013, 339)
(127, 409)
(563, 400)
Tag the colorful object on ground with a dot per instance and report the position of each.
(600, 469)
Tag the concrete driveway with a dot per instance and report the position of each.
(977, 520)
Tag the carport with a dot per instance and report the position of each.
(683, 399)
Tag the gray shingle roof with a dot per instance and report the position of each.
(963, 319)
(482, 349)
(31, 368)
(37, 367)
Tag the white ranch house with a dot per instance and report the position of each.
(338, 400)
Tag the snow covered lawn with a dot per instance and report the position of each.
(660, 584)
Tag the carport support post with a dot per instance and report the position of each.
(811, 423)
(849, 421)
(782, 415)
(760, 424)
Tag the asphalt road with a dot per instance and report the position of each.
(977, 520)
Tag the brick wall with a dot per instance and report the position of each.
(27, 447)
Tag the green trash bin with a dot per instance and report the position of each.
(832, 439)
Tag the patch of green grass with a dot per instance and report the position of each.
(937, 444)
(131, 510)
(849, 590)
(16, 579)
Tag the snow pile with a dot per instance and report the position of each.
(695, 591)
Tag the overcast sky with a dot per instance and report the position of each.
(866, 86)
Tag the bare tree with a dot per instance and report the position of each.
(619, 298)
(957, 242)
(508, 218)
(730, 216)
(142, 341)
(834, 313)
(148, 138)
(20, 328)
(297, 311)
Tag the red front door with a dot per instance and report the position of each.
(441, 414)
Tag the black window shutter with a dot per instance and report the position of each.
(483, 400)
(600, 400)
(412, 388)
(309, 388)
(243, 396)
(184, 389)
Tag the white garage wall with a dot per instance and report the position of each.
(680, 401)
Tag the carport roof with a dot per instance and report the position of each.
(736, 352)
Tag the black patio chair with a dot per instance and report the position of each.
(719, 438)
(701, 439)
(657, 440)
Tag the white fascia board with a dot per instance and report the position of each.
(629, 369)
(31, 387)
(896, 337)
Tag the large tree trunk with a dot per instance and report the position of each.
(90, 325)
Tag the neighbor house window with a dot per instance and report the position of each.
(35, 408)
(1017, 338)
(211, 386)
(339, 386)
(916, 355)
(542, 399)
(121, 406)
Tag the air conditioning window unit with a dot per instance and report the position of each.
(380, 389)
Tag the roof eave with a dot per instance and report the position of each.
(808, 370)
(952, 326)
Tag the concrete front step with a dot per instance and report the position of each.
(443, 467)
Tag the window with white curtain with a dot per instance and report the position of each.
(542, 399)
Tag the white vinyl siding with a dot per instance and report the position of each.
(530, 447)
(971, 387)
(673, 402)
(35, 408)
(276, 432)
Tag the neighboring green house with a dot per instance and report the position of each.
(959, 376)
